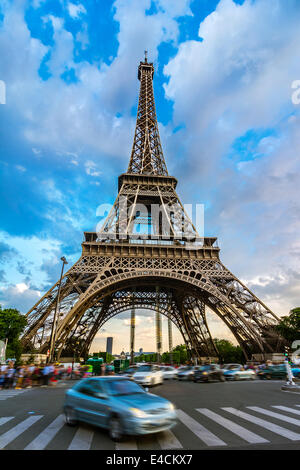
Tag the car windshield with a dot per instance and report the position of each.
(130, 369)
(145, 369)
(230, 366)
(123, 387)
(183, 369)
(204, 367)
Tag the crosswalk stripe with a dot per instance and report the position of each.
(5, 419)
(200, 431)
(240, 431)
(264, 424)
(167, 440)
(43, 439)
(286, 408)
(130, 444)
(82, 440)
(287, 419)
(13, 433)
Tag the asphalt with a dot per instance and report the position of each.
(45, 404)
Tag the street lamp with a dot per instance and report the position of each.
(55, 318)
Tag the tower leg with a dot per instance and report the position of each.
(132, 332)
(170, 340)
(158, 327)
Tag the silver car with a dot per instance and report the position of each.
(148, 374)
(186, 373)
(119, 405)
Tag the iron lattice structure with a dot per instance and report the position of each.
(148, 255)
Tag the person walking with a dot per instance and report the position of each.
(20, 377)
(46, 375)
(2, 378)
(10, 376)
(69, 372)
(36, 376)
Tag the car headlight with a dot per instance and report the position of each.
(204, 373)
(138, 413)
(148, 377)
(171, 406)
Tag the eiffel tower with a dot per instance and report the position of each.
(149, 255)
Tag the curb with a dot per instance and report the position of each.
(291, 388)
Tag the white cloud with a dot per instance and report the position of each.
(20, 168)
(22, 287)
(82, 114)
(19, 296)
(91, 168)
(75, 11)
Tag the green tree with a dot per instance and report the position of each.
(12, 324)
(289, 326)
(228, 352)
(183, 354)
(165, 357)
(140, 358)
(176, 357)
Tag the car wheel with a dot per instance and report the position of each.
(268, 376)
(236, 377)
(71, 417)
(115, 429)
(222, 378)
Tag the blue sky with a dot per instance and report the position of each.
(229, 129)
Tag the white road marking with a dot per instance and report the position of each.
(243, 433)
(200, 431)
(43, 439)
(82, 440)
(5, 394)
(287, 419)
(264, 424)
(286, 408)
(167, 440)
(5, 420)
(13, 433)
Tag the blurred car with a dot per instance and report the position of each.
(277, 371)
(148, 374)
(119, 405)
(272, 372)
(187, 372)
(178, 369)
(168, 372)
(237, 372)
(209, 373)
(129, 371)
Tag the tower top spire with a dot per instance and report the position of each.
(147, 156)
